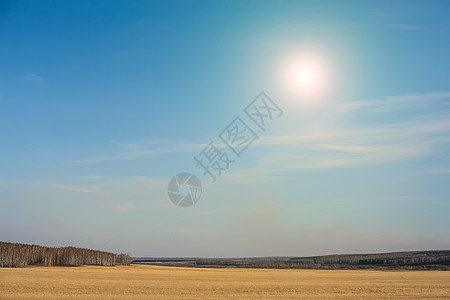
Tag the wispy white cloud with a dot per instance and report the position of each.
(401, 102)
(330, 146)
(352, 148)
(439, 171)
(130, 146)
(33, 79)
(384, 154)
(133, 151)
(421, 137)
(121, 156)
(121, 194)
(84, 189)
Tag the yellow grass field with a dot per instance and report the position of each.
(142, 282)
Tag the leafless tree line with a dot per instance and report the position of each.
(123, 259)
(17, 255)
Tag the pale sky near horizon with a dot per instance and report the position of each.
(101, 103)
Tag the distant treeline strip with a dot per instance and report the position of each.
(18, 255)
(406, 260)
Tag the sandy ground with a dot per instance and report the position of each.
(143, 282)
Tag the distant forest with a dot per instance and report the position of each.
(393, 259)
(411, 260)
(19, 255)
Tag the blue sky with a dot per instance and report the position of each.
(101, 103)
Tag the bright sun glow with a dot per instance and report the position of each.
(304, 76)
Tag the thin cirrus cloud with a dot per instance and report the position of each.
(130, 146)
(365, 140)
(131, 152)
(411, 140)
(89, 190)
(32, 79)
(439, 171)
(416, 136)
(116, 186)
(114, 191)
(400, 102)
(352, 148)
(330, 146)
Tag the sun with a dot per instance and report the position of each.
(304, 76)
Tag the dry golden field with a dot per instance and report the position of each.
(141, 282)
